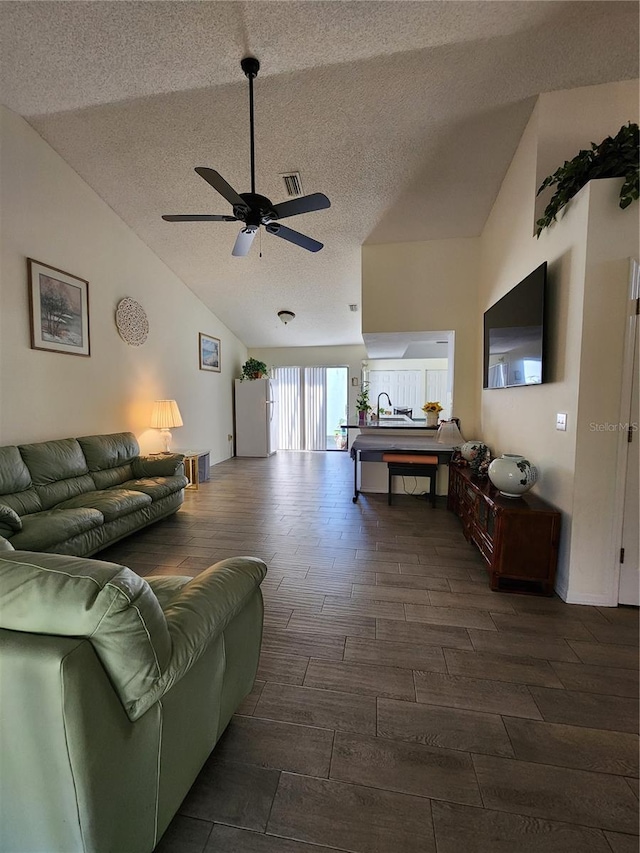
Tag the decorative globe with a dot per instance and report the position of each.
(469, 449)
(512, 475)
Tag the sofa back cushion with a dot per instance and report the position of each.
(106, 603)
(109, 457)
(58, 470)
(16, 489)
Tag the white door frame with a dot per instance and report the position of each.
(625, 408)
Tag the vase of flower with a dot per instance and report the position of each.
(431, 412)
(512, 475)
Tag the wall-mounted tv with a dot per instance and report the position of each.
(514, 335)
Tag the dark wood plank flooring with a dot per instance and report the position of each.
(400, 705)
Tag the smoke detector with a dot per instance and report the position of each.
(286, 316)
(292, 184)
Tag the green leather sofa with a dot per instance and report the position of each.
(113, 691)
(78, 495)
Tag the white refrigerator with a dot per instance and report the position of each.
(256, 410)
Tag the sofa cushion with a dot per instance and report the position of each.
(112, 503)
(14, 474)
(42, 530)
(16, 487)
(104, 602)
(58, 470)
(109, 457)
(10, 522)
(157, 487)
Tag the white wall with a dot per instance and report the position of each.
(334, 356)
(428, 286)
(49, 213)
(587, 251)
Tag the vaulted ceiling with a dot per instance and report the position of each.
(406, 114)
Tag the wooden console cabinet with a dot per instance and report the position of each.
(518, 537)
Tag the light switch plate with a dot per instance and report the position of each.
(354, 381)
(561, 421)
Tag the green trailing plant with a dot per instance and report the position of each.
(615, 157)
(253, 369)
(363, 404)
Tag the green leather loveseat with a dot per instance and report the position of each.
(114, 689)
(78, 495)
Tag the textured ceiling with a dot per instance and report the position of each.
(406, 114)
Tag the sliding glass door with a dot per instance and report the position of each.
(313, 403)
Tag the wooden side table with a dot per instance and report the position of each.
(517, 537)
(196, 466)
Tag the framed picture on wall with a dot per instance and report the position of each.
(209, 353)
(59, 310)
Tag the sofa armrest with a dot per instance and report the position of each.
(198, 613)
(5, 545)
(164, 465)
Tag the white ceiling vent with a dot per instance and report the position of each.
(292, 183)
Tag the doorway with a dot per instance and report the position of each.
(313, 404)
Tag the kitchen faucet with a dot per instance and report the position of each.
(382, 394)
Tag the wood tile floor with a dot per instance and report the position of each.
(400, 706)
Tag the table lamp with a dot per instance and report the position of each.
(448, 433)
(165, 416)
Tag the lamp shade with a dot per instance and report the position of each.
(448, 433)
(165, 415)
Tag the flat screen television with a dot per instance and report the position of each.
(514, 335)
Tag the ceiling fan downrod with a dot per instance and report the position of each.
(250, 65)
(251, 209)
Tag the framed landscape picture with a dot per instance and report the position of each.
(209, 353)
(59, 310)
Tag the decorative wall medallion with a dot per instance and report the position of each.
(132, 322)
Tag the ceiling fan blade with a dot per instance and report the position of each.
(196, 217)
(243, 242)
(294, 237)
(218, 183)
(304, 204)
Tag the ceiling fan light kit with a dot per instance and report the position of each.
(252, 208)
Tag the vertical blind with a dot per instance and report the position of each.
(302, 404)
(290, 407)
(315, 408)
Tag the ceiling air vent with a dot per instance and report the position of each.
(292, 183)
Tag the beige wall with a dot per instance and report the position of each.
(50, 214)
(587, 252)
(428, 286)
(572, 119)
(336, 356)
(612, 237)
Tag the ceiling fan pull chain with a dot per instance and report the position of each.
(260, 255)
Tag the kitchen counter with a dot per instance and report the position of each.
(392, 422)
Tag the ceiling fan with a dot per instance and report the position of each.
(251, 208)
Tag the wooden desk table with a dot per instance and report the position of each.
(370, 448)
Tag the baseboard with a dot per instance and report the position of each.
(591, 600)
